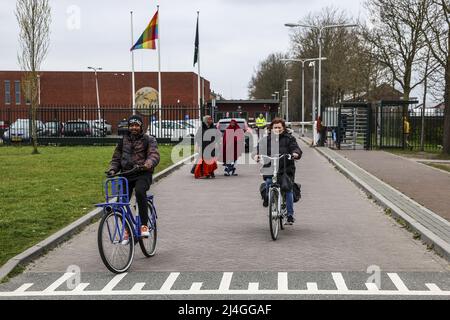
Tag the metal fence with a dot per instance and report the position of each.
(383, 125)
(90, 125)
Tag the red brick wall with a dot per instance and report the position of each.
(78, 88)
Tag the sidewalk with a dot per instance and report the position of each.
(396, 183)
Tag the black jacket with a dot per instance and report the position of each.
(207, 136)
(286, 144)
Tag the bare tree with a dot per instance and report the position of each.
(269, 77)
(397, 37)
(34, 18)
(437, 36)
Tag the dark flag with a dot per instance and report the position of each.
(196, 45)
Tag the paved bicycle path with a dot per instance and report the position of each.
(220, 225)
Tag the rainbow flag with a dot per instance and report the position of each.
(148, 37)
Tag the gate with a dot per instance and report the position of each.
(348, 126)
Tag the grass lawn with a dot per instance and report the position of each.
(433, 155)
(441, 166)
(41, 194)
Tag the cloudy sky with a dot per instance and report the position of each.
(235, 35)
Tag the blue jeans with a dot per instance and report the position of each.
(289, 198)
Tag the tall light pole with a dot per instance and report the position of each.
(39, 89)
(287, 99)
(303, 61)
(320, 28)
(313, 64)
(96, 88)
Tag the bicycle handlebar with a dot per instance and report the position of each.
(119, 174)
(289, 156)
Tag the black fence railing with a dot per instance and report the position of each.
(384, 125)
(90, 125)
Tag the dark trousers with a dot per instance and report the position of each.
(140, 185)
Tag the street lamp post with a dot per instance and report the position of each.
(303, 61)
(39, 89)
(96, 88)
(287, 99)
(321, 28)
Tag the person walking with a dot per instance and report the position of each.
(206, 140)
(232, 145)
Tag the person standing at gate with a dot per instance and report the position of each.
(406, 132)
(261, 124)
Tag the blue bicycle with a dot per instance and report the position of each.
(116, 252)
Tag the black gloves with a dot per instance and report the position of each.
(140, 168)
(110, 173)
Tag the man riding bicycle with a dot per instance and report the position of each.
(138, 151)
(279, 142)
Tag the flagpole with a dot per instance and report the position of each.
(133, 86)
(198, 61)
(159, 68)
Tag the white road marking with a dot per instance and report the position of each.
(60, 281)
(224, 289)
(196, 286)
(24, 287)
(399, 284)
(282, 281)
(339, 281)
(81, 287)
(253, 286)
(372, 287)
(169, 281)
(312, 287)
(114, 282)
(433, 287)
(226, 282)
(138, 287)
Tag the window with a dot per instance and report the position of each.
(28, 92)
(7, 92)
(17, 91)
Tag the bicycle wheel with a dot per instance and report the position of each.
(283, 214)
(274, 213)
(148, 244)
(116, 254)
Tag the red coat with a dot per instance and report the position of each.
(236, 144)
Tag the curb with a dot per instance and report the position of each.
(75, 227)
(427, 236)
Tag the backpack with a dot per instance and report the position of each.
(297, 192)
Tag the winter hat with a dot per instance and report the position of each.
(135, 119)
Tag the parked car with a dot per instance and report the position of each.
(170, 129)
(20, 131)
(54, 128)
(122, 127)
(76, 129)
(223, 124)
(101, 125)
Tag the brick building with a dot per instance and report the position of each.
(78, 88)
(66, 96)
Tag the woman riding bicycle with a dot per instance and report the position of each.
(279, 142)
(136, 150)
